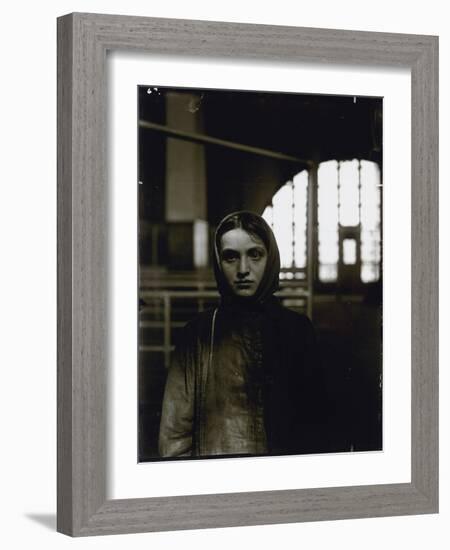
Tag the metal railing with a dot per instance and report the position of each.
(159, 310)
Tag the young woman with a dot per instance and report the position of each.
(243, 380)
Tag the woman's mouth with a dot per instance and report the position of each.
(243, 284)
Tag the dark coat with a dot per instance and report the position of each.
(211, 402)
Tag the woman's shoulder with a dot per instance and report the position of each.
(294, 321)
(291, 315)
(200, 321)
(195, 331)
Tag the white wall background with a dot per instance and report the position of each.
(28, 273)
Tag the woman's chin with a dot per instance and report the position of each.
(244, 292)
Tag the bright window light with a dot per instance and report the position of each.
(370, 222)
(288, 218)
(328, 218)
(349, 251)
(349, 193)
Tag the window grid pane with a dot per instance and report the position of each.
(370, 222)
(348, 194)
(328, 219)
(287, 216)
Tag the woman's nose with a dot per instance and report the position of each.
(243, 267)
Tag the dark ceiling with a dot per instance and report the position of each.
(310, 127)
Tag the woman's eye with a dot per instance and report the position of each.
(255, 254)
(229, 257)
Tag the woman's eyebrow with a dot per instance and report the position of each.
(226, 252)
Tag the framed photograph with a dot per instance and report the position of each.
(247, 274)
(321, 222)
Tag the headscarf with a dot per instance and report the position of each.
(270, 279)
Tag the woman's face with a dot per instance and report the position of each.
(243, 258)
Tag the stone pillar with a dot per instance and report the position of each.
(186, 196)
(185, 172)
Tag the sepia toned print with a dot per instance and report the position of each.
(260, 250)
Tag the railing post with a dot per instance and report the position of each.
(312, 244)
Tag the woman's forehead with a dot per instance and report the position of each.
(239, 239)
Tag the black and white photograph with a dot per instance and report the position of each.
(260, 273)
(224, 229)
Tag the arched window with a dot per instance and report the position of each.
(349, 219)
(287, 215)
(349, 222)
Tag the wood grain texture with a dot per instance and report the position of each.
(64, 300)
(424, 258)
(83, 40)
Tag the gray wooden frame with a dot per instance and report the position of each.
(83, 40)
